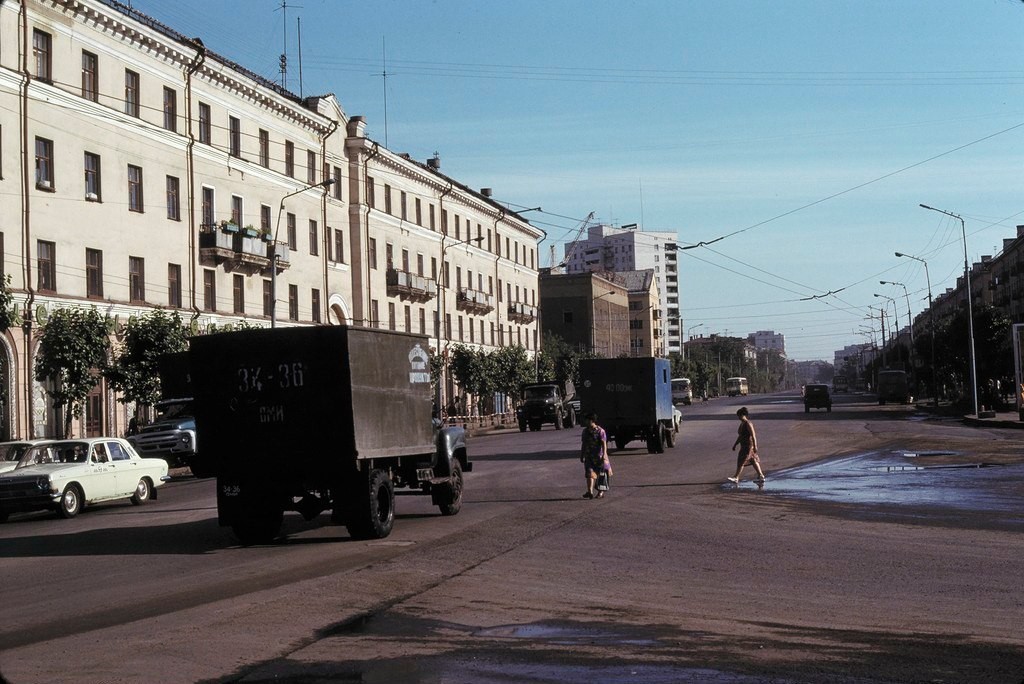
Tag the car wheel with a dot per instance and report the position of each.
(453, 492)
(522, 427)
(142, 492)
(558, 421)
(670, 438)
(374, 516)
(70, 502)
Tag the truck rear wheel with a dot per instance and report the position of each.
(558, 421)
(670, 438)
(373, 515)
(451, 494)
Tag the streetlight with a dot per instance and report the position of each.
(910, 320)
(894, 328)
(593, 327)
(440, 311)
(931, 323)
(970, 307)
(686, 341)
(326, 183)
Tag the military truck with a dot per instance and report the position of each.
(547, 402)
(315, 419)
(172, 434)
(632, 398)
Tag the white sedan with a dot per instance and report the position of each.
(65, 475)
(11, 453)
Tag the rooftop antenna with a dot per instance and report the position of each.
(283, 59)
(298, 25)
(384, 73)
(641, 181)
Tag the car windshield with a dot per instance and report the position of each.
(816, 389)
(175, 410)
(12, 451)
(55, 452)
(539, 393)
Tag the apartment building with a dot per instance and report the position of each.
(140, 170)
(607, 248)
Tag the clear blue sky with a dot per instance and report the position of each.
(808, 131)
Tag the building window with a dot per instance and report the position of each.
(430, 212)
(209, 289)
(238, 293)
(314, 238)
(42, 54)
(448, 326)
(268, 299)
(135, 188)
(339, 245)
(310, 167)
(236, 210)
(293, 302)
(404, 207)
(264, 148)
(292, 238)
(131, 93)
(170, 109)
(44, 164)
(374, 313)
(419, 212)
(90, 76)
(91, 165)
(389, 255)
(371, 199)
(93, 273)
(408, 318)
(173, 199)
(174, 285)
(136, 279)
(289, 158)
(391, 316)
(336, 188)
(235, 136)
(387, 198)
(207, 208)
(265, 219)
(372, 255)
(46, 265)
(204, 123)
(315, 303)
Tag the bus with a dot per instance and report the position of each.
(737, 387)
(893, 386)
(682, 391)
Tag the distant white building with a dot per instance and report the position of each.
(628, 249)
(768, 339)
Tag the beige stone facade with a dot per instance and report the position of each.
(132, 160)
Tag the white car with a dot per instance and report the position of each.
(11, 453)
(65, 475)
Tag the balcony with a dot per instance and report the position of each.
(252, 254)
(521, 312)
(474, 301)
(409, 286)
(223, 244)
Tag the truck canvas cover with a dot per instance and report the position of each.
(317, 398)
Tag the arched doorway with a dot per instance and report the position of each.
(338, 312)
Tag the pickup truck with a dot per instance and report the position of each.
(321, 418)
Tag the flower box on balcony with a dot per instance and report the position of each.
(229, 227)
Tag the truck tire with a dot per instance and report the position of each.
(535, 426)
(570, 420)
(261, 522)
(558, 421)
(522, 426)
(656, 442)
(670, 438)
(620, 443)
(451, 494)
(374, 501)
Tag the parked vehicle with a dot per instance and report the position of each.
(321, 418)
(817, 396)
(546, 402)
(632, 398)
(737, 387)
(893, 386)
(65, 475)
(172, 434)
(11, 452)
(682, 391)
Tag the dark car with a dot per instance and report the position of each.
(817, 396)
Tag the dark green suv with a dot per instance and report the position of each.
(817, 396)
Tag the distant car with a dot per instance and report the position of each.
(817, 396)
(11, 453)
(65, 475)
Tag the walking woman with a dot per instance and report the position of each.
(594, 454)
(746, 440)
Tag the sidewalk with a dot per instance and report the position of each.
(992, 419)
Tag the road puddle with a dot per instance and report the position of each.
(907, 479)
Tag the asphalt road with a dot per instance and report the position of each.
(675, 576)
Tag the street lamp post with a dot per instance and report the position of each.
(327, 182)
(970, 306)
(910, 321)
(894, 327)
(440, 311)
(931, 324)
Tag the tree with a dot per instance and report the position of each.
(469, 370)
(72, 353)
(513, 368)
(8, 316)
(135, 369)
